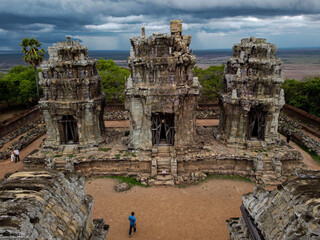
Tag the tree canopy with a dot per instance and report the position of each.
(303, 94)
(112, 79)
(210, 80)
(18, 86)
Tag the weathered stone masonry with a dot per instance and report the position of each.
(161, 93)
(289, 212)
(47, 205)
(252, 97)
(73, 101)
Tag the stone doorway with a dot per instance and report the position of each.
(68, 130)
(257, 123)
(162, 129)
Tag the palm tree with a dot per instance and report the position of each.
(33, 55)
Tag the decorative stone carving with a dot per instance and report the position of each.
(74, 102)
(161, 93)
(251, 98)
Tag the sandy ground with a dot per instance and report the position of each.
(9, 167)
(194, 212)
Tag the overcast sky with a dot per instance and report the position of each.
(108, 24)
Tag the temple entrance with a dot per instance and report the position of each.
(68, 130)
(162, 128)
(257, 123)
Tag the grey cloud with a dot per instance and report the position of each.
(117, 20)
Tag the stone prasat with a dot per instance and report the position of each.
(164, 145)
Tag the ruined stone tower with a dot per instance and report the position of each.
(161, 92)
(251, 98)
(73, 101)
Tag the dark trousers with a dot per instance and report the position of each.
(17, 158)
(130, 229)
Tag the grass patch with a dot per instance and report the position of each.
(58, 155)
(117, 156)
(227, 177)
(133, 155)
(70, 156)
(314, 156)
(105, 149)
(130, 180)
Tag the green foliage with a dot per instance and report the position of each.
(105, 149)
(32, 53)
(210, 80)
(18, 87)
(130, 180)
(303, 94)
(112, 79)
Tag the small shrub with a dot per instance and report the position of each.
(105, 149)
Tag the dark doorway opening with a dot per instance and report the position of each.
(162, 128)
(68, 130)
(257, 123)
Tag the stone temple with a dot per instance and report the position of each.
(161, 97)
(161, 93)
(252, 97)
(73, 101)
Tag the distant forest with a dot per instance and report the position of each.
(18, 86)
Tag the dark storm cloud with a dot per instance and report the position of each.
(109, 24)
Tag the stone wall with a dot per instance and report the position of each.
(287, 126)
(23, 141)
(289, 212)
(47, 205)
(301, 115)
(32, 115)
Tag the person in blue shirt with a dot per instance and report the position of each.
(132, 220)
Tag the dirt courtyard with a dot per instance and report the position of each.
(194, 212)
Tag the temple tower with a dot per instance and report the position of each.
(73, 101)
(161, 92)
(252, 97)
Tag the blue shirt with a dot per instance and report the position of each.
(132, 220)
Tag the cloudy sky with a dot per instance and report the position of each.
(108, 24)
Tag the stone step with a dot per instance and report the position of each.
(165, 178)
(164, 183)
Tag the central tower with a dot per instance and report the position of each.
(161, 92)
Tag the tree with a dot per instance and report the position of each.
(33, 55)
(210, 80)
(112, 79)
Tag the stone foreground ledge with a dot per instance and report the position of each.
(47, 205)
(289, 212)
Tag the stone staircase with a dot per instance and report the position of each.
(62, 164)
(269, 176)
(163, 159)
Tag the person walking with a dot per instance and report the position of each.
(12, 155)
(132, 220)
(16, 154)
